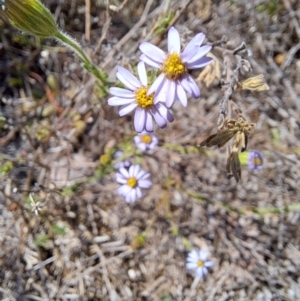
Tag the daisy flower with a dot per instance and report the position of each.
(132, 180)
(136, 97)
(122, 164)
(145, 141)
(174, 80)
(198, 263)
(255, 160)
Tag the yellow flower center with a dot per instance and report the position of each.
(132, 182)
(105, 159)
(173, 67)
(144, 101)
(146, 139)
(257, 161)
(200, 263)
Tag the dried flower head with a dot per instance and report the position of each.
(136, 97)
(145, 141)
(132, 181)
(198, 263)
(240, 129)
(255, 160)
(174, 80)
(255, 83)
(30, 16)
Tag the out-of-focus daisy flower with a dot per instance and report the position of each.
(198, 263)
(255, 160)
(132, 181)
(145, 141)
(122, 164)
(136, 97)
(174, 80)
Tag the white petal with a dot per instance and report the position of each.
(124, 93)
(150, 62)
(199, 272)
(141, 146)
(164, 112)
(204, 61)
(149, 122)
(152, 51)
(171, 93)
(191, 265)
(127, 108)
(157, 84)
(128, 79)
(181, 95)
(135, 170)
(209, 264)
(121, 179)
(158, 118)
(117, 101)
(186, 84)
(124, 172)
(203, 254)
(142, 73)
(145, 176)
(193, 85)
(197, 40)
(139, 120)
(138, 193)
(173, 40)
(123, 190)
(145, 183)
(202, 51)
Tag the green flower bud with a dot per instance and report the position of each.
(30, 16)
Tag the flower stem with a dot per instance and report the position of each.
(75, 46)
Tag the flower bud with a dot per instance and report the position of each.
(30, 16)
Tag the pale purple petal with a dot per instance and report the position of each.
(199, 272)
(202, 51)
(150, 62)
(138, 193)
(164, 112)
(124, 172)
(193, 85)
(127, 108)
(152, 51)
(203, 254)
(181, 95)
(137, 139)
(128, 79)
(161, 122)
(120, 179)
(135, 170)
(145, 176)
(123, 190)
(149, 122)
(117, 101)
(204, 61)
(186, 84)
(171, 92)
(197, 40)
(141, 146)
(139, 119)
(186, 56)
(173, 40)
(191, 265)
(131, 196)
(141, 174)
(209, 264)
(124, 93)
(156, 86)
(145, 184)
(142, 73)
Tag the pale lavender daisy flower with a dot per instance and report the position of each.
(174, 80)
(132, 180)
(198, 263)
(255, 160)
(136, 97)
(122, 164)
(145, 141)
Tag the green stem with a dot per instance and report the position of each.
(75, 46)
